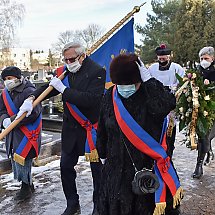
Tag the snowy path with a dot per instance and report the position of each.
(49, 199)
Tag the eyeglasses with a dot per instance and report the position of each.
(71, 60)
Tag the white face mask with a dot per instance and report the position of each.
(11, 84)
(205, 64)
(126, 90)
(73, 67)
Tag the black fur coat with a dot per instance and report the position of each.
(148, 106)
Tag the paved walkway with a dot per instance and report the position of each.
(48, 198)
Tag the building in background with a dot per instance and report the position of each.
(19, 57)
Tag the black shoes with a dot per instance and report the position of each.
(75, 210)
(198, 171)
(210, 156)
(24, 193)
(32, 188)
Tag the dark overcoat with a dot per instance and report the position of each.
(86, 91)
(149, 105)
(18, 95)
(208, 73)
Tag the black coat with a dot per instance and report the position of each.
(86, 91)
(205, 143)
(148, 106)
(18, 95)
(208, 73)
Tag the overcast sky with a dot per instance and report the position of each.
(45, 19)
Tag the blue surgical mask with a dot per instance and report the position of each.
(126, 90)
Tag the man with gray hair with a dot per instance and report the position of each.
(82, 90)
(207, 70)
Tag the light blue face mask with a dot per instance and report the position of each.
(126, 90)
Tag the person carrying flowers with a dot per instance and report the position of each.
(196, 108)
(207, 71)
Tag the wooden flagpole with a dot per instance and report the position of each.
(50, 88)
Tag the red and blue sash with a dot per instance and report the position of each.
(90, 149)
(148, 145)
(60, 70)
(31, 131)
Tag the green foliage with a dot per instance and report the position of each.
(180, 79)
(59, 106)
(206, 98)
(193, 26)
(158, 29)
(184, 25)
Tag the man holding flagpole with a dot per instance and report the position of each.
(82, 90)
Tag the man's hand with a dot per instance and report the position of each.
(144, 73)
(27, 106)
(57, 84)
(6, 122)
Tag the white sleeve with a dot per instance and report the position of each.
(153, 69)
(180, 71)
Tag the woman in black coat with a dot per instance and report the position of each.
(27, 133)
(148, 103)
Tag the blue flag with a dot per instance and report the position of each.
(123, 40)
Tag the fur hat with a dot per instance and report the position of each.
(124, 70)
(162, 50)
(11, 71)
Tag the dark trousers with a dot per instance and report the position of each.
(68, 177)
(171, 142)
(204, 144)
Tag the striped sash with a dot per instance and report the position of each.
(91, 153)
(149, 146)
(31, 131)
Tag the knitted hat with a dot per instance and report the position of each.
(11, 71)
(162, 50)
(124, 70)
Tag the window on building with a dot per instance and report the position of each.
(23, 55)
(14, 55)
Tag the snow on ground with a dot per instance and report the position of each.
(49, 199)
(48, 191)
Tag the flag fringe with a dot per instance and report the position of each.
(19, 159)
(170, 126)
(178, 197)
(159, 208)
(92, 156)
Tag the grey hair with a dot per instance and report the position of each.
(207, 50)
(79, 48)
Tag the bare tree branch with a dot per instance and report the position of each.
(87, 36)
(11, 15)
